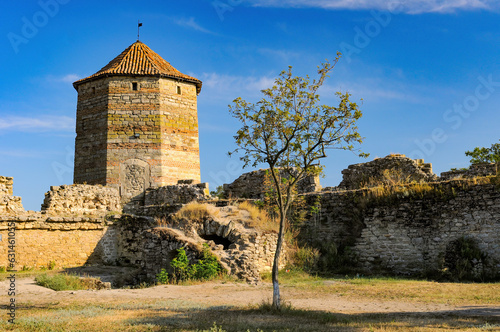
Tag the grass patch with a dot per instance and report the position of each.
(259, 218)
(201, 314)
(191, 316)
(195, 211)
(64, 281)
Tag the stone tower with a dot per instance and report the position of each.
(137, 124)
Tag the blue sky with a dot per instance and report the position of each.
(427, 71)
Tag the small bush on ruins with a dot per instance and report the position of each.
(162, 277)
(207, 267)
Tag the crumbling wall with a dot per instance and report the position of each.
(389, 170)
(251, 185)
(475, 170)
(181, 193)
(81, 199)
(407, 231)
(9, 204)
(245, 251)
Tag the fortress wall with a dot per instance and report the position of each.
(407, 232)
(40, 240)
(81, 199)
(483, 169)
(389, 170)
(251, 185)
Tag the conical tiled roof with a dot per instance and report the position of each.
(139, 59)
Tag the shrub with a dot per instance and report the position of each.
(464, 261)
(207, 267)
(306, 258)
(180, 266)
(162, 277)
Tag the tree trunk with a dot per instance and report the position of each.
(279, 244)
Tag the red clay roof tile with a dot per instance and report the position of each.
(139, 59)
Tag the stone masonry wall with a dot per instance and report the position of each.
(81, 199)
(42, 239)
(475, 170)
(177, 194)
(251, 185)
(388, 170)
(407, 233)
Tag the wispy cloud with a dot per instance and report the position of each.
(230, 87)
(191, 24)
(37, 124)
(406, 6)
(69, 78)
(283, 55)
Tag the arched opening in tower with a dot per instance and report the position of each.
(218, 240)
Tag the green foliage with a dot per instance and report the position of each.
(485, 155)
(162, 277)
(60, 282)
(207, 267)
(180, 266)
(289, 130)
(218, 192)
(306, 258)
(51, 265)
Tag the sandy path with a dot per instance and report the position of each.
(232, 294)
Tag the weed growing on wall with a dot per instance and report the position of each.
(464, 261)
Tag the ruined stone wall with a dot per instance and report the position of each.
(475, 170)
(251, 185)
(407, 232)
(177, 194)
(81, 199)
(9, 204)
(249, 252)
(388, 170)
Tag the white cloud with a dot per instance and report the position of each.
(37, 124)
(233, 86)
(69, 78)
(283, 55)
(406, 6)
(191, 24)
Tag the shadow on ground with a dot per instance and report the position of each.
(236, 319)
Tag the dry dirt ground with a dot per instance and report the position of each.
(236, 294)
